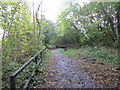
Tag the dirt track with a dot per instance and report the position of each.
(64, 72)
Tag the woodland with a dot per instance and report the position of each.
(93, 28)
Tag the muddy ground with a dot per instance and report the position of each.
(79, 72)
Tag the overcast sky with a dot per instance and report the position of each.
(52, 8)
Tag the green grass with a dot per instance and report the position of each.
(100, 53)
(48, 52)
(51, 46)
(69, 52)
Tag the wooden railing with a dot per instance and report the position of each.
(37, 61)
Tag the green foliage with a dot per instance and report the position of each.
(48, 53)
(70, 52)
(100, 53)
(19, 42)
(93, 24)
(38, 79)
(49, 31)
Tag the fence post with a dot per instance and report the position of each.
(12, 83)
(36, 68)
(41, 55)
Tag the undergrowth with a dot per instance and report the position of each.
(39, 77)
(22, 78)
(100, 53)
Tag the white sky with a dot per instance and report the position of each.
(52, 8)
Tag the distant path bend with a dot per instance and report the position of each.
(64, 72)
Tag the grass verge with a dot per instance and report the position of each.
(100, 53)
(69, 52)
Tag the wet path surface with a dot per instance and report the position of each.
(64, 72)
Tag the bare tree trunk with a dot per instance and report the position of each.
(3, 35)
(34, 20)
(39, 25)
(109, 19)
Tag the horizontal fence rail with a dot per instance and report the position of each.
(17, 72)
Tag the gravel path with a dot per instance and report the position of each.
(64, 72)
